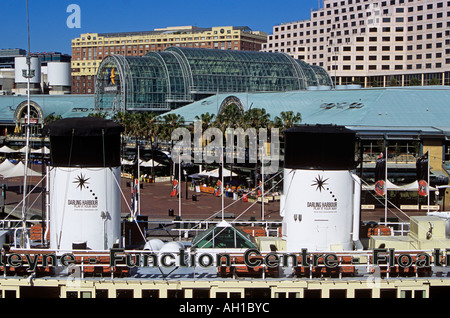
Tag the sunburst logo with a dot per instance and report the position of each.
(81, 181)
(319, 183)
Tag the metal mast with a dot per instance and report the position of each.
(28, 74)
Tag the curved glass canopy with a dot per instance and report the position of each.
(161, 81)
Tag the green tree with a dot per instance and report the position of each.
(230, 117)
(256, 118)
(167, 124)
(99, 114)
(434, 81)
(207, 120)
(393, 82)
(124, 118)
(51, 118)
(287, 120)
(414, 82)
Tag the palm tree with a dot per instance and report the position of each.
(150, 129)
(168, 123)
(230, 117)
(50, 118)
(125, 119)
(287, 120)
(207, 120)
(98, 114)
(257, 118)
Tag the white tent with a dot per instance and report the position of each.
(23, 149)
(390, 187)
(149, 163)
(215, 173)
(126, 162)
(5, 166)
(6, 149)
(38, 151)
(19, 171)
(142, 163)
(414, 186)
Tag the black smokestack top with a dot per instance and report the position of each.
(84, 142)
(319, 147)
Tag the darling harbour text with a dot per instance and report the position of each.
(251, 258)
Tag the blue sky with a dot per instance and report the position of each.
(49, 32)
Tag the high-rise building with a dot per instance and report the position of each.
(89, 49)
(372, 42)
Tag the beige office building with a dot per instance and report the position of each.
(372, 42)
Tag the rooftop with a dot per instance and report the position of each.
(157, 31)
(64, 105)
(423, 109)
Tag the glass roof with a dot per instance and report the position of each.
(162, 81)
(223, 235)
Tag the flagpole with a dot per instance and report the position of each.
(221, 190)
(138, 192)
(428, 182)
(386, 190)
(29, 75)
(262, 183)
(179, 185)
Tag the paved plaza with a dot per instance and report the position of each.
(156, 202)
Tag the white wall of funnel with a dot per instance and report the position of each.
(20, 64)
(84, 207)
(320, 210)
(58, 74)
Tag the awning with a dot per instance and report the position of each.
(215, 173)
(19, 171)
(6, 149)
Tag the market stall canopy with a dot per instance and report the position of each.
(390, 187)
(6, 149)
(142, 163)
(215, 173)
(414, 186)
(19, 171)
(149, 163)
(126, 162)
(40, 150)
(5, 166)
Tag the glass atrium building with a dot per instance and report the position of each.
(162, 81)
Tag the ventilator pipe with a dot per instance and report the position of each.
(356, 211)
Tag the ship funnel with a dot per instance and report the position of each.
(84, 183)
(321, 194)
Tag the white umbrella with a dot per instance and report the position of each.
(215, 173)
(19, 171)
